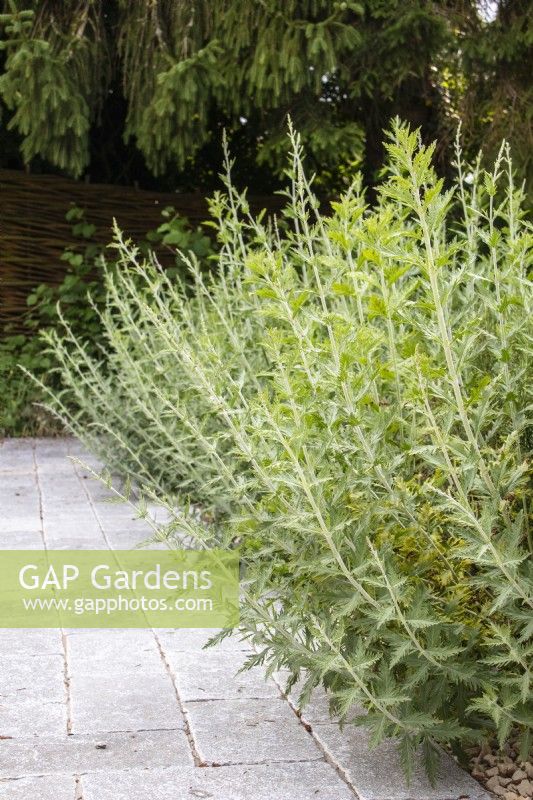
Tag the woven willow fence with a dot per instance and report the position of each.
(34, 231)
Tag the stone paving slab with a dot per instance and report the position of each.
(32, 695)
(377, 775)
(126, 701)
(19, 675)
(30, 716)
(76, 543)
(15, 492)
(19, 523)
(304, 781)
(219, 678)
(166, 709)
(30, 642)
(76, 754)
(21, 540)
(16, 458)
(194, 640)
(370, 770)
(316, 711)
(249, 732)
(93, 652)
(47, 787)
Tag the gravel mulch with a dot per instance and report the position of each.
(502, 772)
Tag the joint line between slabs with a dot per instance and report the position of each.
(66, 678)
(89, 498)
(198, 761)
(328, 757)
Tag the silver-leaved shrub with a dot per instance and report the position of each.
(349, 398)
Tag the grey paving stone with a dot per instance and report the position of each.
(377, 775)
(112, 512)
(61, 470)
(181, 640)
(29, 516)
(120, 511)
(134, 545)
(113, 651)
(86, 631)
(51, 451)
(32, 696)
(29, 519)
(313, 712)
(84, 465)
(90, 469)
(304, 781)
(12, 445)
(19, 675)
(63, 486)
(125, 701)
(11, 473)
(84, 529)
(29, 642)
(16, 456)
(69, 501)
(52, 464)
(29, 715)
(74, 445)
(70, 511)
(66, 542)
(103, 499)
(316, 710)
(125, 532)
(56, 536)
(18, 494)
(21, 468)
(249, 732)
(18, 468)
(29, 523)
(93, 476)
(86, 532)
(47, 787)
(48, 471)
(21, 540)
(214, 674)
(72, 539)
(101, 496)
(131, 541)
(16, 461)
(49, 467)
(79, 753)
(45, 445)
(82, 519)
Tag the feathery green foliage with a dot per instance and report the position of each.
(350, 396)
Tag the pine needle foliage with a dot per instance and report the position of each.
(177, 66)
(350, 397)
(54, 80)
(166, 75)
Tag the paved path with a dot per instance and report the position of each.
(176, 721)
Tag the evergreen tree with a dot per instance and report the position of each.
(167, 75)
